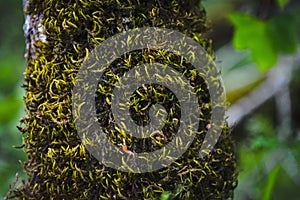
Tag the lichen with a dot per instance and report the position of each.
(59, 166)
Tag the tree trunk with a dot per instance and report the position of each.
(58, 36)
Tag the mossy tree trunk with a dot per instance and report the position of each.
(58, 35)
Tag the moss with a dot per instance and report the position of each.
(59, 166)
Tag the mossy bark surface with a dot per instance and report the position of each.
(59, 34)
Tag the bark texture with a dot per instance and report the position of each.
(59, 34)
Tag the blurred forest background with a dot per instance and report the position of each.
(257, 50)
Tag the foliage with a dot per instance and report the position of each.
(265, 39)
(265, 161)
(282, 3)
(268, 164)
(11, 106)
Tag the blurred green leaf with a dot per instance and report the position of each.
(249, 159)
(270, 183)
(265, 39)
(9, 107)
(265, 142)
(282, 30)
(11, 67)
(253, 34)
(260, 125)
(282, 3)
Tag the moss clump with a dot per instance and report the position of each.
(58, 166)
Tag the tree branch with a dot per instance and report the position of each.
(277, 79)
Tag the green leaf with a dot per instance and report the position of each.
(270, 183)
(282, 3)
(282, 29)
(265, 39)
(253, 34)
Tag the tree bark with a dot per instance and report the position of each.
(58, 35)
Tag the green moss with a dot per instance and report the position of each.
(59, 167)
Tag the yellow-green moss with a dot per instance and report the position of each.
(59, 167)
